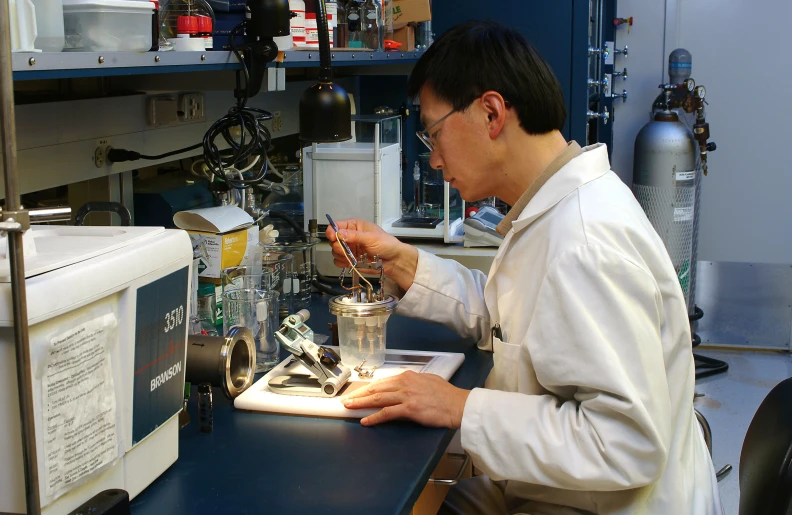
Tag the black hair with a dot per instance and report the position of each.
(479, 56)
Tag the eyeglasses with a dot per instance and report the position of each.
(426, 138)
(424, 135)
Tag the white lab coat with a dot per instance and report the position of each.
(589, 404)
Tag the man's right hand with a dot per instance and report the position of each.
(399, 260)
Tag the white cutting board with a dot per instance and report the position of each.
(260, 398)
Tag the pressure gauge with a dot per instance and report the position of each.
(701, 92)
(689, 84)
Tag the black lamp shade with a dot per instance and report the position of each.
(325, 114)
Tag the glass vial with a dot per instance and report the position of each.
(205, 407)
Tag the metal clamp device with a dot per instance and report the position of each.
(329, 375)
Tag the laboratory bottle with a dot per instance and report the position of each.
(173, 12)
(354, 17)
(373, 30)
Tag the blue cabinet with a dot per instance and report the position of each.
(559, 29)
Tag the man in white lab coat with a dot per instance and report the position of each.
(589, 405)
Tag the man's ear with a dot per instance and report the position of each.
(495, 106)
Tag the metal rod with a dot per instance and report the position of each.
(50, 214)
(17, 268)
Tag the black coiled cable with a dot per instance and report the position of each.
(254, 137)
(254, 140)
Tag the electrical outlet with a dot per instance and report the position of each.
(162, 110)
(100, 153)
(99, 157)
(277, 121)
(191, 107)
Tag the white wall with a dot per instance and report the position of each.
(645, 65)
(741, 53)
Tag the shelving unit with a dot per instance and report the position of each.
(67, 65)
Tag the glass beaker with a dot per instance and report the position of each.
(256, 310)
(297, 287)
(362, 330)
(433, 188)
(246, 277)
(279, 264)
(207, 308)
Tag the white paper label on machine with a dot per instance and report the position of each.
(79, 404)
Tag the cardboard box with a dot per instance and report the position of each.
(405, 36)
(407, 11)
(222, 237)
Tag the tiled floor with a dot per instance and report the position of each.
(730, 401)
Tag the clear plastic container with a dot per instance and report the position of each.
(49, 25)
(362, 339)
(107, 25)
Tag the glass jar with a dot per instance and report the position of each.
(296, 285)
(290, 204)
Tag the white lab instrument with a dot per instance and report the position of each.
(481, 228)
(363, 179)
(107, 309)
(355, 179)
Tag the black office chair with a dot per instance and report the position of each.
(766, 458)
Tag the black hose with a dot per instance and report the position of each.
(327, 280)
(326, 288)
(325, 69)
(292, 222)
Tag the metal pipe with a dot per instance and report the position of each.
(50, 214)
(17, 267)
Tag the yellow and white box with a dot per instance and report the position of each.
(222, 237)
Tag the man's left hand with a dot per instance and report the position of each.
(427, 399)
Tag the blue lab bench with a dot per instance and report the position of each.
(267, 463)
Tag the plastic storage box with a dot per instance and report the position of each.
(107, 25)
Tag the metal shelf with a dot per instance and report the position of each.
(66, 65)
(308, 58)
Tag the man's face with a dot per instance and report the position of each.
(461, 145)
